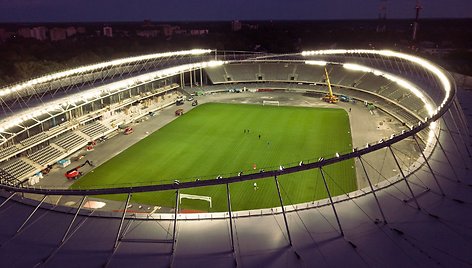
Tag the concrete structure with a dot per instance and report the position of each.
(411, 212)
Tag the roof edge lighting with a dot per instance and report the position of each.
(88, 68)
(97, 91)
(316, 62)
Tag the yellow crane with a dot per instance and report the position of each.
(329, 98)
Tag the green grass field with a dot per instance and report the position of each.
(210, 140)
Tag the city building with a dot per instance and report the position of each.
(24, 32)
(71, 31)
(236, 25)
(57, 34)
(198, 31)
(107, 31)
(39, 33)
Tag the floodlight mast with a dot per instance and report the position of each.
(329, 98)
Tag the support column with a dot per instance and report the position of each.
(455, 144)
(191, 78)
(404, 178)
(6, 200)
(201, 77)
(283, 210)
(331, 201)
(460, 113)
(73, 219)
(461, 136)
(121, 222)
(31, 215)
(175, 220)
(372, 189)
(228, 195)
(447, 158)
(429, 166)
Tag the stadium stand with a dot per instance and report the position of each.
(94, 130)
(217, 74)
(18, 168)
(8, 151)
(412, 103)
(394, 94)
(45, 155)
(372, 82)
(70, 141)
(34, 139)
(243, 72)
(7, 178)
(277, 71)
(309, 73)
(342, 77)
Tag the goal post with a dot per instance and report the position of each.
(195, 197)
(268, 102)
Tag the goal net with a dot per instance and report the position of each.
(268, 102)
(195, 197)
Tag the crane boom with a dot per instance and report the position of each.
(330, 94)
(329, 98)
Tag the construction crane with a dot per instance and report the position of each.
(418, 7)
(381, 26)
(75, 173)
(329, 98)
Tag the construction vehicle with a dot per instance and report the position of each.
(344, 98)
(180, 100)
(75, 173)
(128, 130)
(329, 98)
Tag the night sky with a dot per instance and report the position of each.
(209, 10)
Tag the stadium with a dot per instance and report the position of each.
(228, 158)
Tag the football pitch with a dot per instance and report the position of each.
(216, 139)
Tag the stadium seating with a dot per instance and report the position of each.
(243, 72)
(94, 130)
(339, 76)
(70, 141)
(217, 74)
(7, 178)
(372, 82)
(5, 152)
(18, 168)
(34, 139)
(277, 71)
(310, 73)
(46, 155)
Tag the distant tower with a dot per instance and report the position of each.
(417, 18)
(236, 25)
(107, 31)
(382, 26)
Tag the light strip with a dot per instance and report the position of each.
(88, 68)
(316, 62)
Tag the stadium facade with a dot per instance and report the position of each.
(416, 217)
